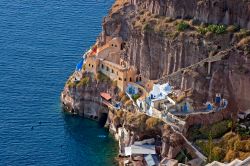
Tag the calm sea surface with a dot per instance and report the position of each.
(40, 44)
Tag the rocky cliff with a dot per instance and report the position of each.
(129, 127)
(156, 45)
(84, 98)
(209, 11)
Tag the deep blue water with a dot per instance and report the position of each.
(40, 44)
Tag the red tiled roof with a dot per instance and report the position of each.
(93, 50)
(105, 96)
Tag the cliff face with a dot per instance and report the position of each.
(85, 100)
(209, 11)
(156, 48)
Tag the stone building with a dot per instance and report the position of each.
(108, 60)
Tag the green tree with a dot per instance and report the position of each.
(210, 147)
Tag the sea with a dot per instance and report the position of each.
(41, 41)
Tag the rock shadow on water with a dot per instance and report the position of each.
(90, 141)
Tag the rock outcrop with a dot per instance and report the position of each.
(85, 100)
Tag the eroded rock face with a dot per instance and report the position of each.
(172, 142)
(156, 55)
(85, 100)
(209, 11)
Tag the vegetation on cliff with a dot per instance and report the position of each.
(149, 22)
(218, 142)
(226, 149)
(85, 80)
(138, 122)
(215, 130)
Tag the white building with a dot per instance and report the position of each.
(158, 97)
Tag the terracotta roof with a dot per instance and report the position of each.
(105, 96)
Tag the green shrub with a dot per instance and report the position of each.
(213, 152)
(202, 30)
(194, 133)
(218, 29)
(83, 82)
(217, 130)
(203, 145)
(243, 132)
(135, 97)
(181, 26)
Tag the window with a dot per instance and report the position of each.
(125, 79)
(89, 65)
(130, 79)
(123, 45)
(107, 68)
(112, 71)
(102, 66)
(120, 78)
(92, 66)
(115, 45)
(112, 45)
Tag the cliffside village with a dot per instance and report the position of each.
(162, 101)
(153, 98)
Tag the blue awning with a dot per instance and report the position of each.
(79, 65)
